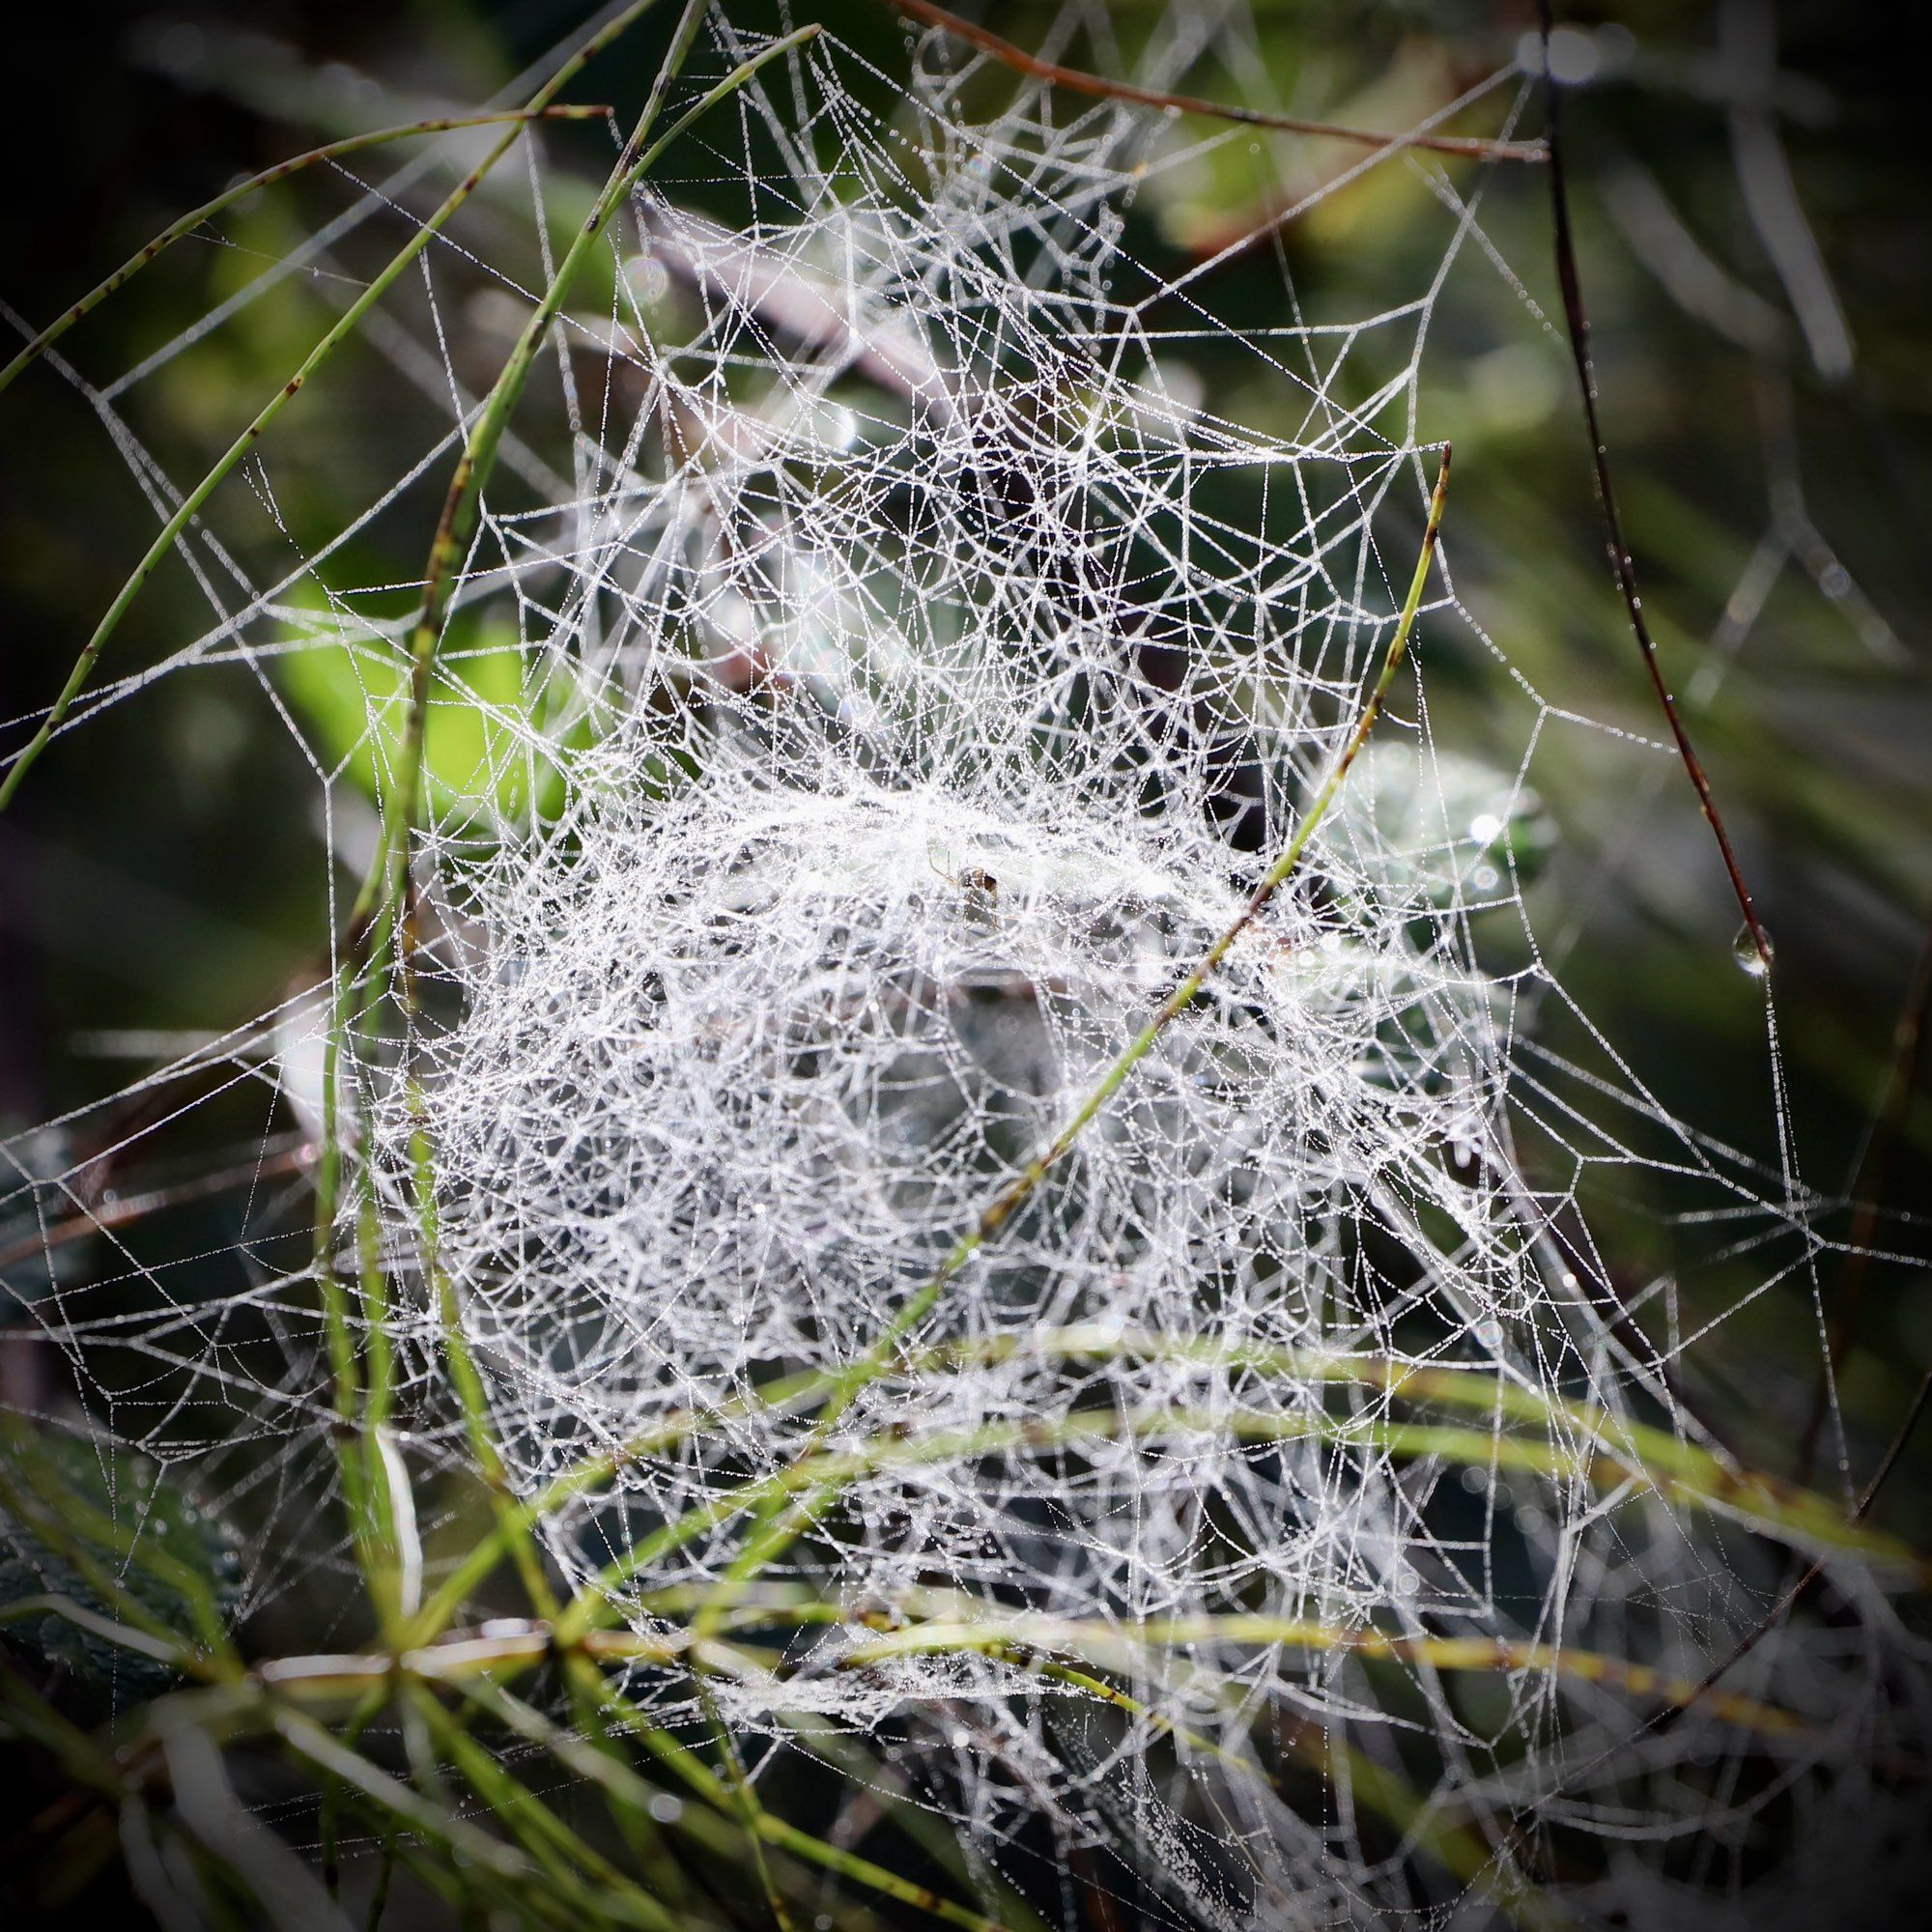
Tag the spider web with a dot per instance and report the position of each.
(876, 678)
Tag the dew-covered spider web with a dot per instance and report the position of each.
(877, 676)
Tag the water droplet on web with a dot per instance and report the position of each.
(1744, 951)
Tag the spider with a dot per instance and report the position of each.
(978, 890)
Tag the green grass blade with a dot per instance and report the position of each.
(343, 329)
(330, 150)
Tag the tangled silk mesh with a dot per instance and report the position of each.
(913, 681)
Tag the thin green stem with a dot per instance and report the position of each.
(382, 1561)
(592, 1886)
(770, 1536)
(1618, 1448)
(450, 1596)
(385, 1872)
(176, 1654)
(748, 1805)
(310, 1742)
(1024, 1635)
(71, 1525)
(461, 504)
(1661, 1458)
(343, 329)
(635, 1823)
(777, 1831)
(930, 1831)
(331, 1808)
(803, 1484)
(460, 510)
(1455, 1847)
(28, 1713)
(330, 150)
(191, 504)
(367, 953)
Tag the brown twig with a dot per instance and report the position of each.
(1076, 81)
(1578, 319)
(292, 1158)
(1622, 567)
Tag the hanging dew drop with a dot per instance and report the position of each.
(1744, 951)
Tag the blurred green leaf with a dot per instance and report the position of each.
(1445, 824)
(76, 1482)
(491, 753)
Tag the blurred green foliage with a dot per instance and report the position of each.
(93, 1525)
